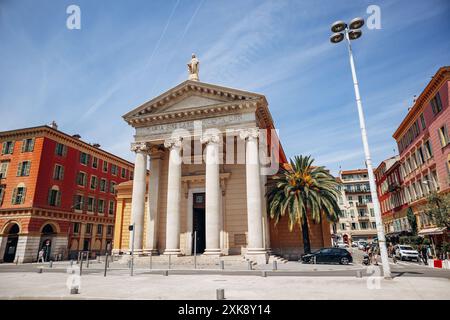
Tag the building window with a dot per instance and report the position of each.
(54, 197)
(101, 205)
(364, 225)
(443, 135)
(89, 228)
(342, 226)
(78, 202)
(61, 150)
(3, 169)
(354, 226)
(28, 145)
(103, 184)
(111, 207)
(91, 204)
(436, 104)
(105, 166)
(374, 225)
(109, 230)
(123, 173)
(114, 170)
(81, 179)
(95, 162)
(24, 168)
(93, 182)
(8, 147)
(58, 172)
(112, 187)
(76, 227)
(131, 175)
(19, 193)
(84, 158)
(99, 229)
(422, 121)
(372, 212)
(428, 149)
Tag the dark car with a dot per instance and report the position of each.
(329, 255)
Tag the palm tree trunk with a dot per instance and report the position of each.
(305, 232)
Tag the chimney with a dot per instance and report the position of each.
(76, 136)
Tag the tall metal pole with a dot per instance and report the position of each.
(132, 251)
(373, 188)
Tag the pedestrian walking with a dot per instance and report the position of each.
(424, 253)
(375, 254)
(41, 256)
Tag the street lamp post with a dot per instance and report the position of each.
(352, 32)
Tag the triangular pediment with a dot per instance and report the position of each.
(191, 95)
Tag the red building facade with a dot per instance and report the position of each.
(424, 144)
(57, 193)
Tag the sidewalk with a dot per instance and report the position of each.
(95, 286)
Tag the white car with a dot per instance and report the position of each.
(405, 252)
(342, 245)
(362, 245)
(354, 244)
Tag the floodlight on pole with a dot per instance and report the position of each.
(352, 33)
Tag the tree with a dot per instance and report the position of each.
(412, 220)
(300, 190)
(438, 209)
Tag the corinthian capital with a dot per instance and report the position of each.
(173, 142)
(139, 147)
(251, 133)
(210, 138)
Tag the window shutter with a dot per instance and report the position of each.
(61, 173)
(19, 168)
(4, 148)
(24, 195)
(14, 195)
(49, 200)
(64, 150)
(74, 201)
(28, 164)
(85, 203)
(32, 145)
(58, 198)
(24, 144)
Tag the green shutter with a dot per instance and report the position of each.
(23, 195)
(24, 144)
(19, 169)
(4, 147)
(58, 198)
(27, 173)
(14, 195)
(32, 145)
(61, 173)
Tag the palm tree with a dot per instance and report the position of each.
(301, 189)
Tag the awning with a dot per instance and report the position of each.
(432, 231)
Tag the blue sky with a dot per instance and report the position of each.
(130, 51)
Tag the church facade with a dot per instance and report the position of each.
(204, 154)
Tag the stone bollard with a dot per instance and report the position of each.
(275, 265)
(50, 264)
(359, 274)
(98, 259)
(222, 264)
(249, 265)
(40, 270)
(74, 290)
(220, 294)
(264, 274)
(71, 262)
(165, 273)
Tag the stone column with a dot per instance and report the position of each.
(265, 218)
(212, 194)
(173, 197)
(153, 198)
(138, 195)
(255, 245)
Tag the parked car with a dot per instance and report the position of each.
(405, 252)
(342, 245)
(354, 244)
(329, 255)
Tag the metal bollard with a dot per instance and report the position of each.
(71, 262)
(151, 260)
(74, 290)
(170, 256)
(40, 270)
(220, 294)
(106, 264)
(358, 274)
(249, 265)
(98, 259)
(165, 273)
(87, 264)
(275, 265)
(264, 274)
(50, 264)
(222, 264)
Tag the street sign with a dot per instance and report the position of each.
(130, 227)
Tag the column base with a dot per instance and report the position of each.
(176, 252)
(259, 255)
(212, 252)
(136, 252)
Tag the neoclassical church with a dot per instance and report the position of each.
(204, 154)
